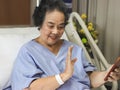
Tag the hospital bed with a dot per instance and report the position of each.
(12, 38)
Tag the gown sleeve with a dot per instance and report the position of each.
(87, 65)
(25, 70)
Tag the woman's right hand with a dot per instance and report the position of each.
(69, 69)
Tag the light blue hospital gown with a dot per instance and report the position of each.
(35, 61)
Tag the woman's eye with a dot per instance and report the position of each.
(50, 26)
(61, 27)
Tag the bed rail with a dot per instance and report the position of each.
(99, 60)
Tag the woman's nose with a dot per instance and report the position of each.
(55, 30)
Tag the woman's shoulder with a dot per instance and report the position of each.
(28, 45)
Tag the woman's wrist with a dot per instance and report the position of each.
(59, 79)
(64, 77)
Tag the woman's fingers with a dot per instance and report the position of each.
(115, 75)
(73, 61)
(69, 54)
(70, 62)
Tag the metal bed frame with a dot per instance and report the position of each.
(99, 60)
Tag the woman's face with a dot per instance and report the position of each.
(52, 27)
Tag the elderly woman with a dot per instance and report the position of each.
(51, 63)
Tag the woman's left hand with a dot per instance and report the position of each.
(114, 75)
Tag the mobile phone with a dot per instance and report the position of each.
(116, 65)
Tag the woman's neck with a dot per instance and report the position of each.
(53, 48)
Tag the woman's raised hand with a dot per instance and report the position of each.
(69, 69)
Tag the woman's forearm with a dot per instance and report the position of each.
(48, 83)
(97, 78)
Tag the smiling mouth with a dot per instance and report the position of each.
(53, 38)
